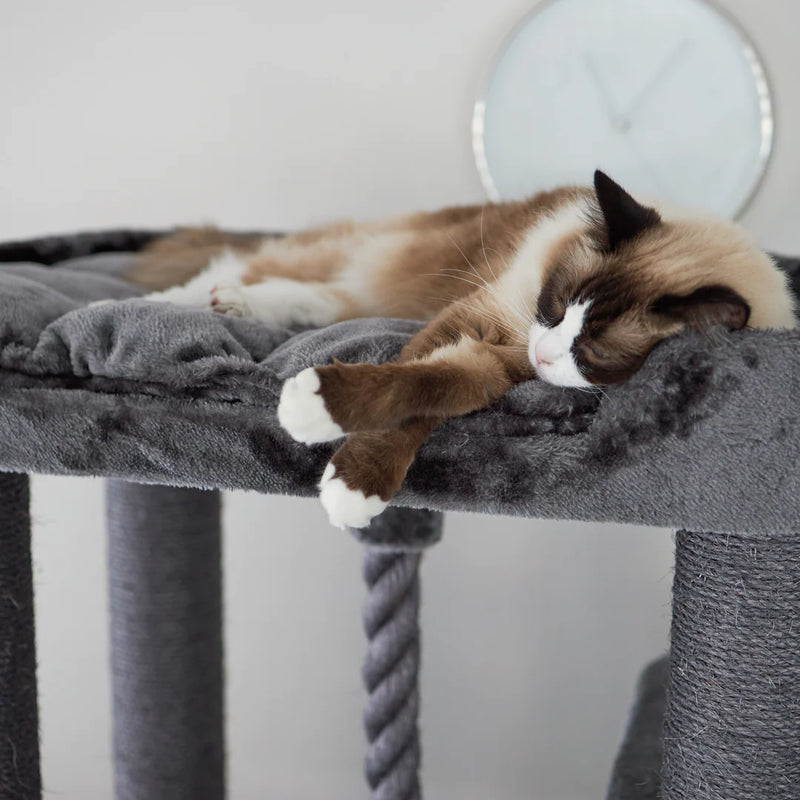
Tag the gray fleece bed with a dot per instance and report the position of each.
(705, 436)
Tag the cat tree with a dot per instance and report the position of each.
(174, 404)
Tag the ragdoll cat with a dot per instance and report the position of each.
(574, 286)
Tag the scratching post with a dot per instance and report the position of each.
(19, 720)
(732, 724)
(166, 642)
(391, 665)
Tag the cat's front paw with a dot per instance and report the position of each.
(228, 299)
(346, 507)
(302, 412)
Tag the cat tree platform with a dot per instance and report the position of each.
(172, 404)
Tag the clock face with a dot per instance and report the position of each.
(666, 96)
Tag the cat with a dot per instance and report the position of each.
(574, 286)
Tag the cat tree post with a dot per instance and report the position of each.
(166, 642)
(391, 664)
(19, 720)
(732, 722)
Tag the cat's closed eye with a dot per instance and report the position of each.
(550, 313)
(596, 351)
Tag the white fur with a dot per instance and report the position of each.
(302, 412)
(520, 285)
(229, 299)
(347, 508)
(225, 269)
(274, 301)
(363, 254)
(457, 349)
(280, 301)
(369, 254)
(550, 349)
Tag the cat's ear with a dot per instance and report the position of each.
(623, 216)
(705, 307)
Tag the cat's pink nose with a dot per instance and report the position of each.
(542, 357)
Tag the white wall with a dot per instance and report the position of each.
(258, 114)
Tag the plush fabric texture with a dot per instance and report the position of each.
(165, 598)
(163, 394)
(637, 770)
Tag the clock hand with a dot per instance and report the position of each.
(657, 178)
(605, 95)
(656, 78)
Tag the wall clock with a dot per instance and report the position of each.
(669, 97)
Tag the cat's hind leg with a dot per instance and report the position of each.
(273, 301)
(281, 301)
(225, 269)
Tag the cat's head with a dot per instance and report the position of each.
(621, 276)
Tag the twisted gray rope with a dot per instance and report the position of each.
(19, 721)
(390, 674)
(732, 725)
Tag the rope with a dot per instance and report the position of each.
(732, 726)
(390, 674)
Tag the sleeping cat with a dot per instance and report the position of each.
(574, 286)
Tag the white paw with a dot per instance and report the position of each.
(177, 294)
(347, 508)
(302, 412)
(228, 299)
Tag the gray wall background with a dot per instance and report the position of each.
(266, 114)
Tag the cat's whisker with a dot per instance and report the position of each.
(499, 299)
(494, 274)
(463, 254)
(595, 390)
(499, 255)
(479, 311)
(504, 324)
(528, 314)
(523, 302)
(489, 287)
(483, 247)
(472, 274)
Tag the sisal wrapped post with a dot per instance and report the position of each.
(732, 722)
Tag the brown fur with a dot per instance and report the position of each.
(175, 259)
(376, 462)
(453, 251)
(647, 278)
(440, 256)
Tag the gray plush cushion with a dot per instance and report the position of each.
(705, 436)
